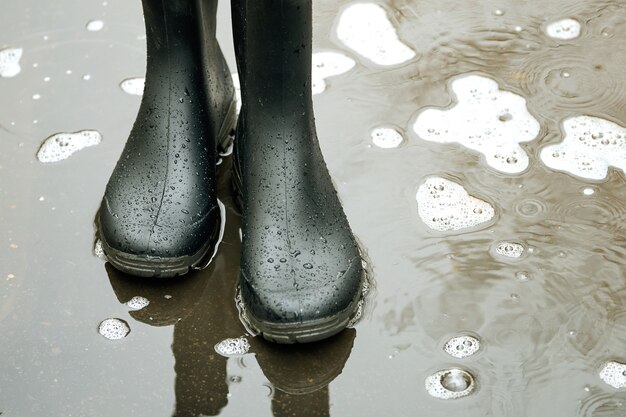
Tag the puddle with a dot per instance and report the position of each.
(497, 268)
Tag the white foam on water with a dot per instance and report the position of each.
(97, 249)
(444, 205)
(563, 29)
(114, 329)
(510, 249)
(62, 145)
(614, 374)
(328, 64)
(590, 146)
(462, 346)
(137, 303)
(484, 119)
(366, 29)
(133, 86)
(10, 62)
(94, 25)
(450, 384)
(386, 138)
(233, 347)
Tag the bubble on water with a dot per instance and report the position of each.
(386, 138)
(86, 77)
(328, 64)
(137, 303)
(498, 12)
(462, 346)
(588, 191)
(114, 329)
(365, 28)
(133, 86)
(10, 62)
(522, 276)
(510, 249)
(590, 146)
(450, 384)
(614, 374)
(563, 29)
(62, 145)
(484, 119)
(233, 347)
(94, 25)
(444, 205)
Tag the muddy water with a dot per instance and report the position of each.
(547, 319)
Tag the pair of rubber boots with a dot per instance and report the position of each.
(301, 272)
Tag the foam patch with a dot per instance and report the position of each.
(10, 62)
(233, 347)
(133, 86)
(450, 384)
(614, 374)
(62, 145)
(484, 119)
(114, 329)
(328, 64)
(564, 29)
(386, 138)
(366, 29)
(137, 303)
(590, 146)
(510, 249)
(444, 205)
(462, 346)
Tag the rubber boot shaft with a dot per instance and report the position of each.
(160, 202)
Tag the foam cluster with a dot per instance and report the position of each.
(133, 86)
(444, 205)
(563, 29)
(510, 249)
(114, 329)
(10, 62)
(233, 347)
(98, 251)
(137, 303)
(450, 384)
(386, 138)
(614, 374)
(462, 346)
(484, 119)
(365, 28)
(590, 146)
(328, 64)
(62, 145)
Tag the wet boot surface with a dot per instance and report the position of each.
(535, 285)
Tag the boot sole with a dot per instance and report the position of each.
(155, 266)
(307, 332)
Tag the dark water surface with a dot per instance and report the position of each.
(547, 321)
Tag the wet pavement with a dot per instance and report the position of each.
(516, 312)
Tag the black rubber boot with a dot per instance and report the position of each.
(301, 270)
(159, 215)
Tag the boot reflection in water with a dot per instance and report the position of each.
(301, 271)
(202, 311)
